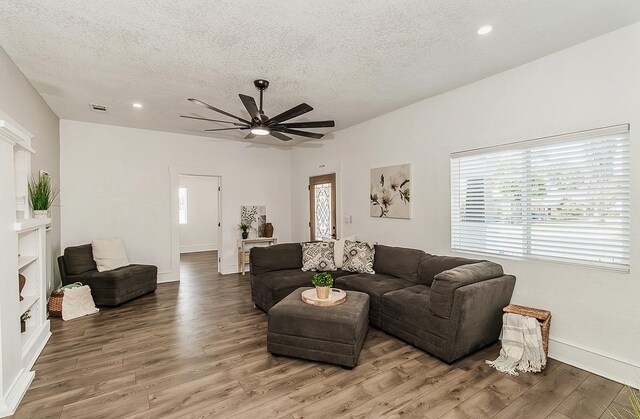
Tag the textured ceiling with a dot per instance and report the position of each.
(351, 60)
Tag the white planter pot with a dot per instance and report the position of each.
(40, 213)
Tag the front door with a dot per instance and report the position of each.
(322, 202)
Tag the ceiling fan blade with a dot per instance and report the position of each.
(312, 124)
(250, 136)
(291, 113)
(224, 129)
(280, 136)
(206, 105)
(207, 119)
(300, 133)
(252, 108)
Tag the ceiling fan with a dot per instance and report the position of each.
(260, 124)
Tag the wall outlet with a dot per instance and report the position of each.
(348, 219)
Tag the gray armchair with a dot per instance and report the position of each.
(110, 288)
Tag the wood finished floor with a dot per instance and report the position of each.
(197, 349)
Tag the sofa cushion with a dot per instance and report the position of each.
(358, 257)
(318, 256)
(79, 259)
(432, 265)
(118, 285)
(446, 283)
(376, 285)
(398, 261)
(276, 257)
(109, 254)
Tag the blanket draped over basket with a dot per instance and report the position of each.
(522, 348)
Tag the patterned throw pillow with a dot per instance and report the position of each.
(358, 257)
(318, 256)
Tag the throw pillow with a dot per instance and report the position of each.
(358, 257)
(109, 254)
(338, 249)
(318, 256)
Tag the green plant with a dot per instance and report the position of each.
(41, 192)
(629, 412)
(26, 316)
(244, 227)
(322, 279)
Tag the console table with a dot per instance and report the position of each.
(243, 252)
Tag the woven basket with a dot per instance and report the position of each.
(543, 317)
(55, 303)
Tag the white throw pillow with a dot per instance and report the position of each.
(338, 248)
(109, 254)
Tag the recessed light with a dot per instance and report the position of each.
(137, 105)
(485, 30)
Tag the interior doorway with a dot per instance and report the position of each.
(199, 224)
(322, 203)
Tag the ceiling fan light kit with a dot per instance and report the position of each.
(260, 124)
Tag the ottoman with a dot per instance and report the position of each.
(333, 334)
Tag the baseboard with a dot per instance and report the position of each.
(193, 248)
(610, 366)
(167, 276)
(15, 393)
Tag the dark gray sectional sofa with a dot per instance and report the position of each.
(447, 306)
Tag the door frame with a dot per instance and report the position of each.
(322, 169)
(175, 173)
(320, 179)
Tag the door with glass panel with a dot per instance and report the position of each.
(322, 202)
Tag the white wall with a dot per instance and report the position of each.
(201, 231)
(596, 313)
(116, 183)
(20, 100)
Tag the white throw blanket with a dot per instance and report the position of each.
(522, 348)
(77, 302)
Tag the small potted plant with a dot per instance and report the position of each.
(323, 282)
(41, 194)
(245, 230)
(23, 321)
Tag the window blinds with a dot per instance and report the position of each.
(562, 198)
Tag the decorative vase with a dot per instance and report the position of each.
(23, 326)
(40, 213)
(323, 292)
(21, 282)
(268, 230)
(245, 234)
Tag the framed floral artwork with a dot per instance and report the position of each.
(390, 194)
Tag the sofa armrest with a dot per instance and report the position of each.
(446, 283)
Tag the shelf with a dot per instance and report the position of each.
(26, 260)
(31, 224)
(27, 303)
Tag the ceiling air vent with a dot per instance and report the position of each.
(98, 108)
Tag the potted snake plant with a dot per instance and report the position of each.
(323, 281)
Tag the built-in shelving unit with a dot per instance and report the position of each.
(23, 252)
(32, 247)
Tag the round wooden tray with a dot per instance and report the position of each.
(336, 296)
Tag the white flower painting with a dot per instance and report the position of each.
(390, 195)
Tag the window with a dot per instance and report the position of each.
(182, 205)
(563, 198)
